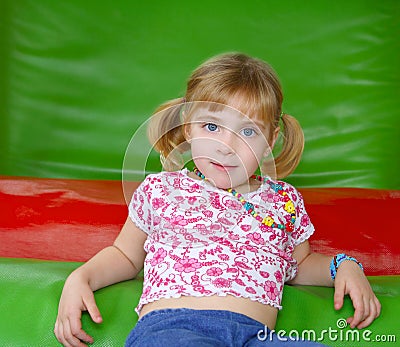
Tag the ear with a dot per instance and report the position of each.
(187, 133)
(275, 136)
(272, 144)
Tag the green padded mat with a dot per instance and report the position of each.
(30, 290)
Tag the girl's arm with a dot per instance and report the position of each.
(116, 263)
(350, 279)
(119, 262)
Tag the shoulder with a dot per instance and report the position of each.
(160, 180)
(161, 176)
(280, 186)
(289, 188)
(283, 188)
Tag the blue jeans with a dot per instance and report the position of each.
(200, 328)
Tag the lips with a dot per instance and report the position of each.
(222, 166)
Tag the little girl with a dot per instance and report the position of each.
(217, 243)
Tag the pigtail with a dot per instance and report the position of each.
(292, 147)
(166, 135)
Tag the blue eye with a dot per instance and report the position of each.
(211, 127)
(248, 132)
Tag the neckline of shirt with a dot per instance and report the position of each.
(185, 171)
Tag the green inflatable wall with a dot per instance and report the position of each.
(79, 77)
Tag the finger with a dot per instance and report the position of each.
(92, 308)
(375, 310)
(349, 320)
(69, 337)
(65, 343)
(59, 332)
(359, 309)
(339, 295)
(55, 331)
(367, 308)
(370, 317)
(78, 332)
(378, 307)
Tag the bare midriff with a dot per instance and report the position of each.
(265, 314)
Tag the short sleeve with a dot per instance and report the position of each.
(140, 206)
(303, 228)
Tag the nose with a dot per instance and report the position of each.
(226, 143)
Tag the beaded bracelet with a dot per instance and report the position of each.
(338, 259)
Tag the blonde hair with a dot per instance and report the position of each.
(218, 80)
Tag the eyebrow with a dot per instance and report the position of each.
(219, 120)
(207, 118)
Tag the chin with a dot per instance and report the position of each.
(223, 186)
(227, 183)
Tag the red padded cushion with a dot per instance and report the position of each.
(71, 220)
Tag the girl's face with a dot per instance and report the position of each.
(227, 147)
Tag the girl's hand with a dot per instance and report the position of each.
(76, 297)
(350, 279)
(113, 264)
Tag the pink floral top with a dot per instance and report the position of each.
(201, 241)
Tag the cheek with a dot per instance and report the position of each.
(201, 147)
(253, 151)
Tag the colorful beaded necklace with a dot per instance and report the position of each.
(249, 207)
